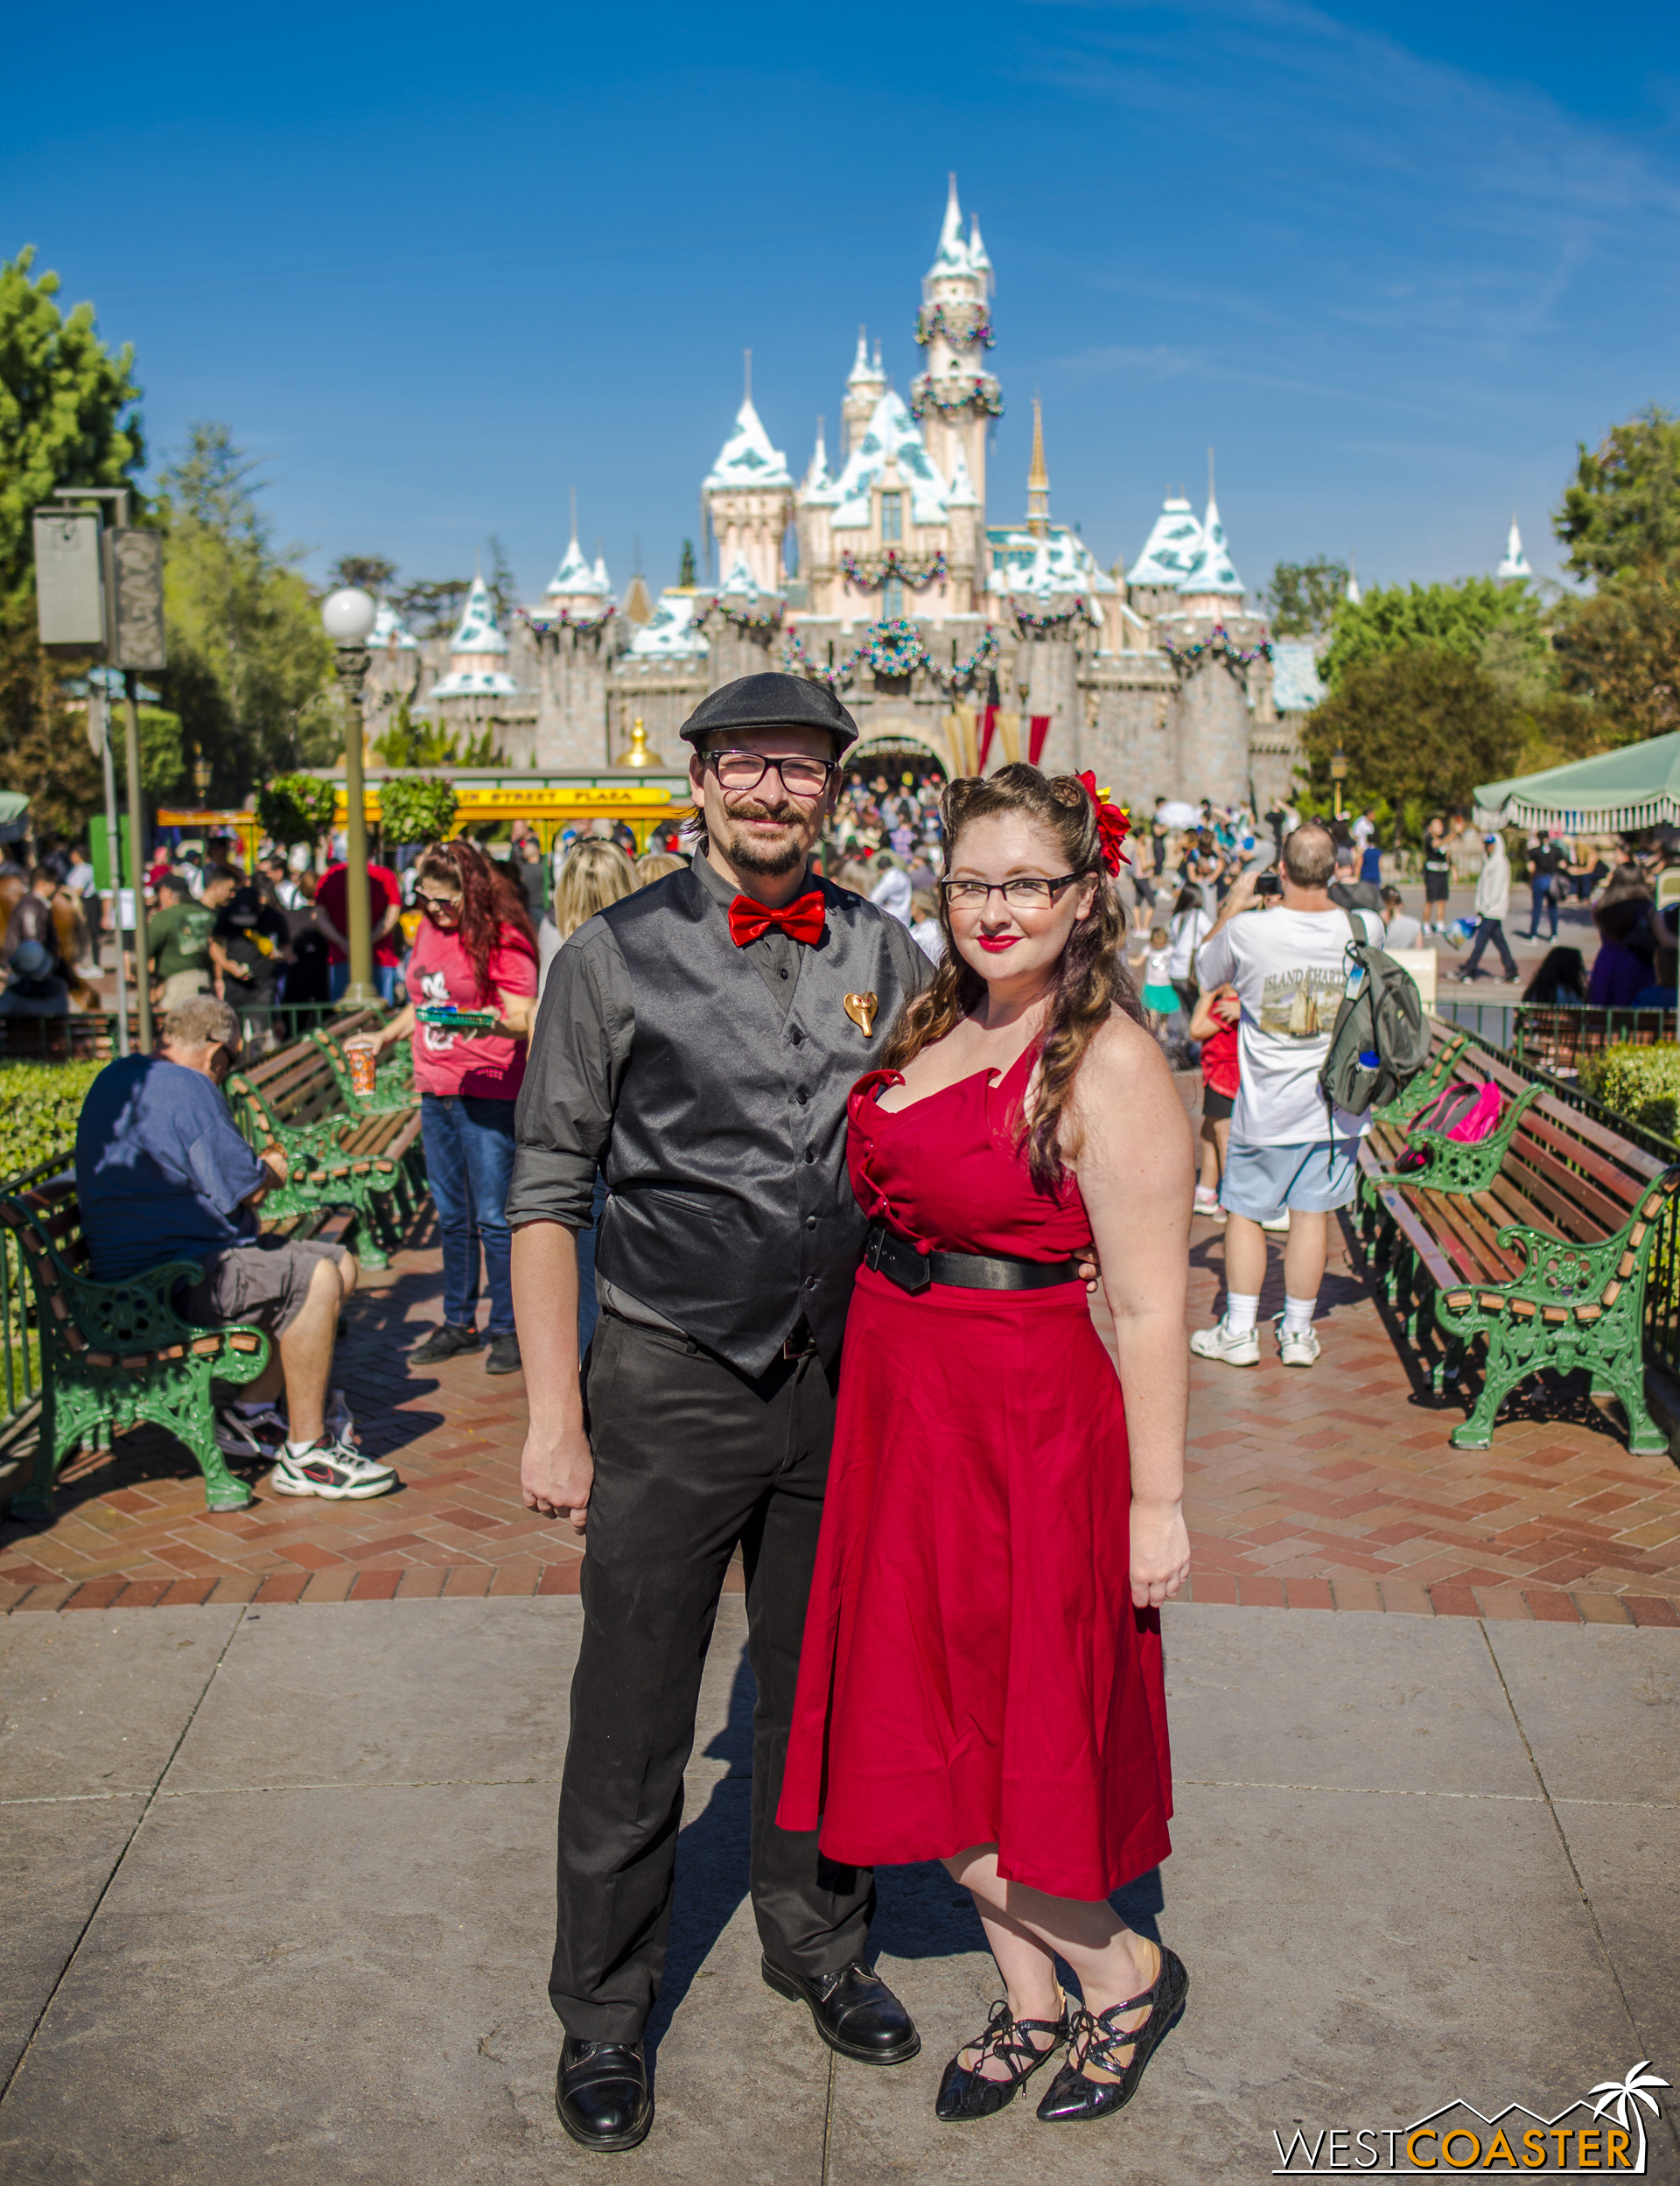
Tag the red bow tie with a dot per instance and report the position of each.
(802, 918)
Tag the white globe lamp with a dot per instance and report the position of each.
(349, 616)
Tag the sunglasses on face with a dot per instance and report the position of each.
(436, 906)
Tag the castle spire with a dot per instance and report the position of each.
(1038, 479)
(1514, 567)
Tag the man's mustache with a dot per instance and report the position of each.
(786, 814)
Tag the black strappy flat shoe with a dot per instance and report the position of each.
(966, 2092)
(1099, 2039)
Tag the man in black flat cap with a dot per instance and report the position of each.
(696, 1041)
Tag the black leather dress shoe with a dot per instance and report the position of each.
(854, 2013)
(600, 2093)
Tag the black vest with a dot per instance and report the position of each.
(731, 1212)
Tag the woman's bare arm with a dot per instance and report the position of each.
(1136, 1165)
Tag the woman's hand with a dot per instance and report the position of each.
(516, 1013)
(1160, 1553)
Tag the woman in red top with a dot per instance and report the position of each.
(980, 1676)
(1214, 1022)
(475, 949)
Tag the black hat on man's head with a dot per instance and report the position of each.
(772, 701)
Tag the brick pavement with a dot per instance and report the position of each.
(1332, 1488)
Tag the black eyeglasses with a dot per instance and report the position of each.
(1027, 893)
(739, 771)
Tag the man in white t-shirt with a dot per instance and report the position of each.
(1287, 964)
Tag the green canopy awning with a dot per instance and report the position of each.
(1638, 786)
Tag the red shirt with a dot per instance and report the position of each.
(484, 1064)
(1220, 1070)
(383, 890)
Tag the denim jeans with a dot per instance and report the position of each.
(1490, 930)
(1541, 899)
(469, 1167)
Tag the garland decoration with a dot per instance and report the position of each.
(1218, 644)
(543, 621)
(979, 393)
(895, 648)
(1030, 622)
(872, 572)
(742, 618)
(960, 323)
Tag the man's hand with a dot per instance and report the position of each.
(274, 1161)
(1160, 1554)
(555, 1474)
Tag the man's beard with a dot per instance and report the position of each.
(746, 854)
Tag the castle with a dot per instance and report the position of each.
(886, 575)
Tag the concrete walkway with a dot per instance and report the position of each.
(278, 1904)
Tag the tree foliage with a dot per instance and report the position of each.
(411, 743)
(296, 808)
(1621, 650)
(431, 607)
(1621, 514)
(1457, 618)
(66, 410)
(685, 567)
(1302, 598)
(250, 666)
(422, 811)
(1420, 725)
(366, 572)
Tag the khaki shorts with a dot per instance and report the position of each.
(265, 1284)
(181, 986)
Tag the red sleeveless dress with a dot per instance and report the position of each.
(973, 1671)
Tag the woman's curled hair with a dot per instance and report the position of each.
(1091, 980)
(492, 904)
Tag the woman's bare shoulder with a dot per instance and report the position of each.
(1124, 1072)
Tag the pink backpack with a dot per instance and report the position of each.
(1466, 1114)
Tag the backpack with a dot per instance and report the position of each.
(1467, 1114)
(1380, 1040)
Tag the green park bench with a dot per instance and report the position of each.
(1538, 1241)
(342, 1153)
(114, 1355)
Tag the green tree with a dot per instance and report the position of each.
(1420, 726)
(1620, 651)
(67, 417)
(433, 607)
(295, 808)
(1458, 619)
(503, 590)
(1302, 598)
(422, 811)
(685, 567)
(367, 572)
(1621, 514)
(250, 668)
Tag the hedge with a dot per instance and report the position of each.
(39, 1103)
(1641, 1083)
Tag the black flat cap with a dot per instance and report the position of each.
(771, 701)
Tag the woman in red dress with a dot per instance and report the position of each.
(980, 1679)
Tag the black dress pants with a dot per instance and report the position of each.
(691, 1457)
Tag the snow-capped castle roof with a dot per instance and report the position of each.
(1295, 684)
(863, 372)
(1211, 569)
(575, 575)
(1515, 564)
(979, 261)
(1174, 543)
(748, 457)
(475, 682)
(1039, 565)
(952, 255)
(390, 632)
(477, 632)
(819, 486)
(960, 493)
(893, 432)
(738, 581)
(670, 635)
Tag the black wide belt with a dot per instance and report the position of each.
(914, 1271)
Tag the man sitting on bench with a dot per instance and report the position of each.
(162, 1173)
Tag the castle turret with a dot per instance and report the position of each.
(866, 384)
(1038, 479)
(1514, 569)
(749, 497)
(955, 394)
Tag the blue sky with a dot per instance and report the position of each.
(434, 268)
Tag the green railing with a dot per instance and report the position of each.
(1561, 1039)
(90, 1036)
(20, 1345)
(1662, 1284)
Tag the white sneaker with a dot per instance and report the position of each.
(1278, 1224)
(1299, 1347)
(332, 1470)
(1206, 1202)
(1220, 1343)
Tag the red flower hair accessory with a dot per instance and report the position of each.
(1112, 826)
